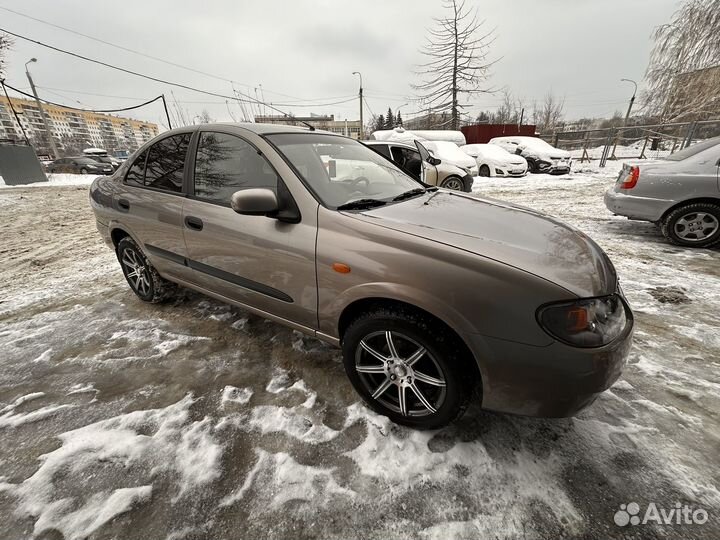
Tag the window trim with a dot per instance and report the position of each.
(196, 147)
(146, 148)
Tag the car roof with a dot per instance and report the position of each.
(260, 129)
(378, 143)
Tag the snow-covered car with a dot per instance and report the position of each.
(450, 152)
(541, 157)
(681, 193)
(493, 160)
(431, 171)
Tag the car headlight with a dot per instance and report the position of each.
(590, 322)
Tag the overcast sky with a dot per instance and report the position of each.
(304, 50)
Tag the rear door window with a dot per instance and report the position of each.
(136, 174)
(382, 149)
(166, 163)
(225, 164)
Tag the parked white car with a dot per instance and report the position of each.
(494, 160)
(541, 157)
(450, 152)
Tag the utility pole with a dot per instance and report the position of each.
(46, 121)
(362, 125)
(627, 115)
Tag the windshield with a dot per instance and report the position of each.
(536, 143)
(339, 170)
(487, 150)
(690, 151)
(448, 150)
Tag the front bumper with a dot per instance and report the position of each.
(553, 168)
(468, 183)
(633, 207)
(517, 171)
(553, 381)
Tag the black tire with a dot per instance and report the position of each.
(532, 166)
(454, 181)
(484, 171)
(693, 225)
(149, 286)
(443, 361)
(83, 171)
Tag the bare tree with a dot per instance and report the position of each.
(5, 44)
(683, 75)
(457, 61)
(509, 111)
(550, 113)
(205, 117)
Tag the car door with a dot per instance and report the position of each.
(428, 172)
(408, 160)
(259, 261)
(150, 203)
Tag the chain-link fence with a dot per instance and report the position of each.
(645, 141)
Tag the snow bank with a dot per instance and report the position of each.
(58, 180)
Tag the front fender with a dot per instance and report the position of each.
(393, 291)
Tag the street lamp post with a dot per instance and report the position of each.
(362, 125)
(46, 121)
(627, 114)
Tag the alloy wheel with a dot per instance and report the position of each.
(400, 374)
(454, 183)
(136, 272)
(696, 226)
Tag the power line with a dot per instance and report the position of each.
(142, 75)
(157, 59)
(80, 109)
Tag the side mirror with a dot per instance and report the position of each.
(254, 202)
(518, 151)
(432, 160)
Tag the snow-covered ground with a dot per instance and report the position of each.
(198, 420)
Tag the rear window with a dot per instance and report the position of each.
(690, 151)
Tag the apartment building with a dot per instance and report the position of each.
(72, 129)
(349, 128)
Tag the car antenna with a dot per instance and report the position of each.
(312, 128)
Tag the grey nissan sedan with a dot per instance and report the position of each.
(432, 294)
(681, 193)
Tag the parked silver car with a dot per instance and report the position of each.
(681, 193)
(430, 293)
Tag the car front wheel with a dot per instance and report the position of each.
(693, 225)
(407, 368)
(142, 277)
(453, 182)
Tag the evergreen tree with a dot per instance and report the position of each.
(389, 119)
(398, 120)
(379, 123)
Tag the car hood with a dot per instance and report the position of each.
(548, 155)
(511, 234)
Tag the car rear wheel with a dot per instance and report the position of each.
(142, 277)
(693, 225)
(405, 369)
(453, 182)
(532, 166)
(83, 171)
(484, 171)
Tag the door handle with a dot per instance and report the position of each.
(124, 205)
(194, 223)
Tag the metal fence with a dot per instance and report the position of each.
(644, 141)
